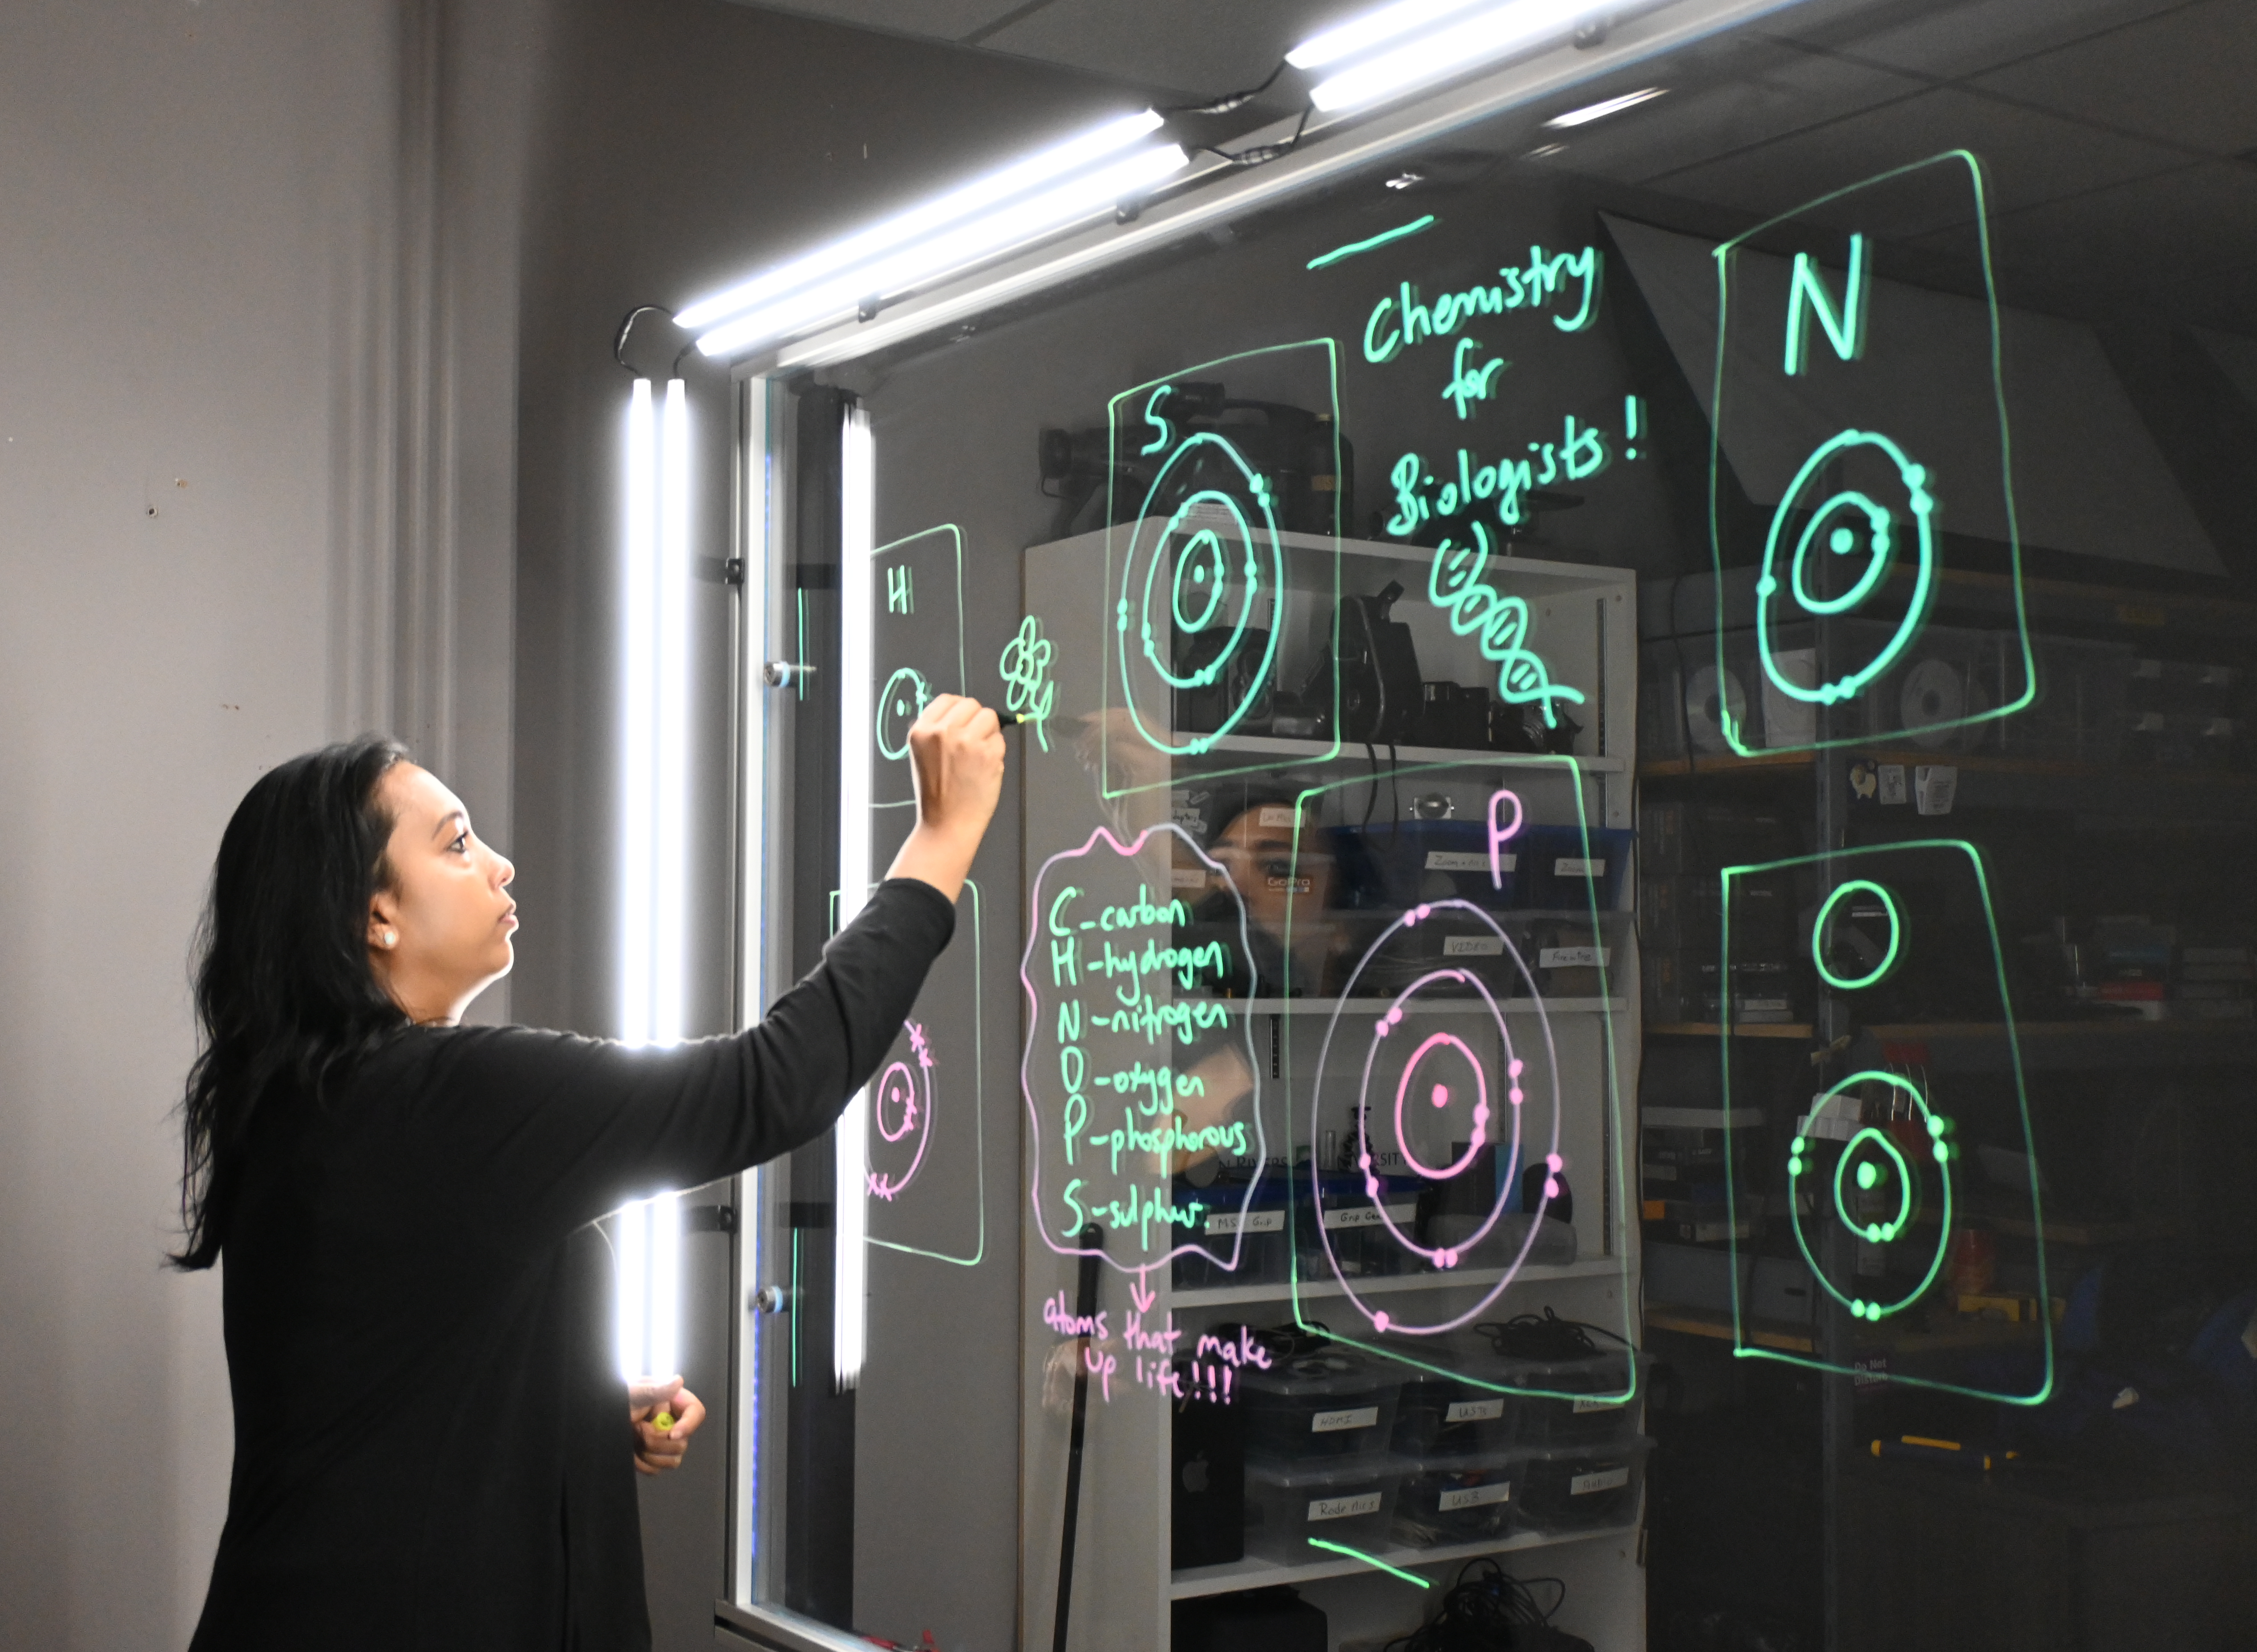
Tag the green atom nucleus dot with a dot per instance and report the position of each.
(1868, 1174)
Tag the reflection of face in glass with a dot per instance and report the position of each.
(1258, 851)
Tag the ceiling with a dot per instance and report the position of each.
(2119, 135)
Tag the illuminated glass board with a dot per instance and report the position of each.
(1850, 562)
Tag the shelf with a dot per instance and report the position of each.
(1710, 1029)
(1423, 1005)
(1967, 762)
(1708, 1321)
(1278, 746)
(1596, 1267)
(1257, 1574)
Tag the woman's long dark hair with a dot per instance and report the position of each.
(285, 1001)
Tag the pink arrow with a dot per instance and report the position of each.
(1140, 1296)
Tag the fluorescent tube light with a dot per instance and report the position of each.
(639, 716)
(670, 896)
(948, 251)
(664, 1353)
(1369, 29)
(1590, 112)
(858, 537)
(655, 719)
(1082, 150)
(648, 1333)
(1445, 52)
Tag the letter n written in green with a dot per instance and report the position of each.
(1069, 1022)
(1845, 326)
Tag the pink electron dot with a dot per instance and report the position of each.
(1441, 1095)
(1518, 1094)
(1480, 1117)
(1394, 1014)
(1382, 1032)
(1363, 1162)
(1449, 1258)
(1553, 1161)
(1514, 1070)
(1425, 911)
(1371, 1187)
(1551, 1189)
(1379, 1320)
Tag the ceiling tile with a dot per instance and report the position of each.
(2189, 77)
(1956, 37)
(1727, 104)
(931, 20)
(2028, 157)
(2153, 236)
(1190, 46)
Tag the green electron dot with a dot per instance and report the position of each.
(1944, 1152)
(1873, 1233)
(1934, 1125)
(1868, 1174)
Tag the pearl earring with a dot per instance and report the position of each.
(390, 937)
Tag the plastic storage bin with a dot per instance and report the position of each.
(1349, 1233)
(1580, 1488)
(1599, 1418)
(1456, 1500)
(1403, 863)
(1440, 1418)
(1327, 1406)
(1260, 1227)
(1346, 1501)
(1565, 869)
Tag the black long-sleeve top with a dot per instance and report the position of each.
(431, 1440)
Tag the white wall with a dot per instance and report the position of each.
(239, 513)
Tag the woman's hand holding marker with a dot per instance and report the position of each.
(664, 1416)
(956, 755)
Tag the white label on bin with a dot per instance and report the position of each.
(1475, 1496)
(1465, 861)
(1186, 878)
(1274, 816)
(1583, 1406)
(1341, 1507)
(1475, 1411)
(1603, 1480)
(1353, 1417)
(1246, 1222)
(1367, 1215)
(1571, 957)
(1568, 866)
(1473, 946)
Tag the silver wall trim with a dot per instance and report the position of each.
(736, 1626)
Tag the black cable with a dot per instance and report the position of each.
(1229, 101)
(1484, 1611)
(1262, 152)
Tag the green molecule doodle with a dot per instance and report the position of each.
(900, 704)
(1841, 538)
(1025, 666)
(1873, 1158)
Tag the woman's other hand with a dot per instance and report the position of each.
(657, 1451)
(956, 753)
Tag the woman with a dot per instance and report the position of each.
(429, 1451)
